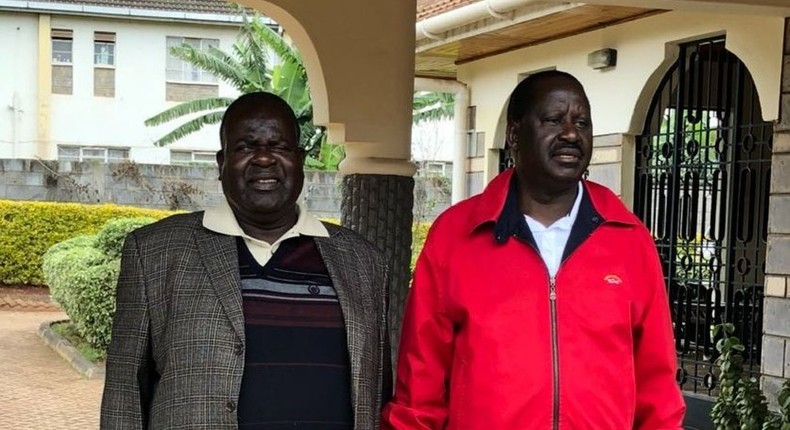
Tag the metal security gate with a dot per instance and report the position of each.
(701, 187)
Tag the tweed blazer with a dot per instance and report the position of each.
(176, 358)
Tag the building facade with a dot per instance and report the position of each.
(80, 79)
(691, 110)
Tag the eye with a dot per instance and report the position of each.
(244, 147)
(553, 120)
(582, 123)
(282, 148)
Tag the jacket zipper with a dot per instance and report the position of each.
(555, 354)
(555, 357)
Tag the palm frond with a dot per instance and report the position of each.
(275, 42)
(430, 106)
(291, 85)
(254, 56)
(256, 71)
(224, 67)
(190, 127)
(188, 108)
(305, 113)
(256, 51)
(251, 79)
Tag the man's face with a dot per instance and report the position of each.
(261, 165)
(553, 141)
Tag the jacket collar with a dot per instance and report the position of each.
(498, 205)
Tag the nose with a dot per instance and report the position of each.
(569, 131)
(263, 156)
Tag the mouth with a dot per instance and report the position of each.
(567, 155)
(264, 184)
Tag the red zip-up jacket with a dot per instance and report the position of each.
(491, 342)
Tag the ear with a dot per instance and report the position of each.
(511, 135)
(301, 153)
(220, 161)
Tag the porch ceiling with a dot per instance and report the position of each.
(438, 58)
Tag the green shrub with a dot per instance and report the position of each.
(63, 270)
(86, 240)
(82, 273)
(740, 404)
(110, 239)
(418, 233)
(93, 296)
(28, 229)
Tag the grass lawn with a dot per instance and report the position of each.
(69, 332)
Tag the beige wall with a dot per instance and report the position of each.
(620, 96)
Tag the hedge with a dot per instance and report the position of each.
(82, 273)
(62, 261)
(110, 238)
(418, 234)
(28, 229)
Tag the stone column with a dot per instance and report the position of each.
(776, 324)
(361, 72)
(379, 207)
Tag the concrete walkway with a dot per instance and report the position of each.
(38, 389)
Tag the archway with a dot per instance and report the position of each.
(701, 186)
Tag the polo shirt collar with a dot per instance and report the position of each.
(220, 219)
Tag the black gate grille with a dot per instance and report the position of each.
(702, 186)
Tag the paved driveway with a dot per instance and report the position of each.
(38, 389)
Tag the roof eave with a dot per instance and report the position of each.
(121, 12)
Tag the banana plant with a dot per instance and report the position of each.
(259, 60)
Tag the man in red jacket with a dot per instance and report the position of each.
(540, 303)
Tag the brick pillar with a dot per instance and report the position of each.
(776, 324)
(379, 207)
(606, 164)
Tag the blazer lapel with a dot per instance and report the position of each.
(356, 304)
(220, 258)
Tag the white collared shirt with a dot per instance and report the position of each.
(221, 220)
(551, 240)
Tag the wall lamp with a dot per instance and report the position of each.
(602, 58)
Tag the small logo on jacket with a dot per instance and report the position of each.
(612, 279)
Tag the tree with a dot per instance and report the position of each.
(259, 60)
(430, 106)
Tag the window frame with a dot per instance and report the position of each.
(106, 38)
(81, 150)
(62, 36)
(185, 69)
(193, 159)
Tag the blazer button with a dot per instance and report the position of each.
(230, 406)
(238, 349)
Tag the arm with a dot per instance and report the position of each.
(659, 403)
(425, 355)
(130, 376)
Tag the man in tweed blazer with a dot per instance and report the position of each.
(254, 315)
